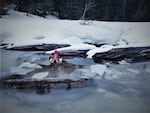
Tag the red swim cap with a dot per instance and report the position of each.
(56, 52)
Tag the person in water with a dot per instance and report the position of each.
(56, 58)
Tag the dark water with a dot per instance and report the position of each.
(122, 88)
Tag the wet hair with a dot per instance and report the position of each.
(56, 52)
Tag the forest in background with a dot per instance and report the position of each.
(103, 10)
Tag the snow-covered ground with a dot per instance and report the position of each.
(19, 29)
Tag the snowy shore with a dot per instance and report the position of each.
(17, 29)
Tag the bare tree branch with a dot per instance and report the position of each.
(90, 4)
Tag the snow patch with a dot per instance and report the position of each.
(101, 49)
(74, 47)
(51, 17)
(72, 40)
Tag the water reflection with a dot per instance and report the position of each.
(56, 69)
(41, 90)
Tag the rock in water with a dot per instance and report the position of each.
(131, 54)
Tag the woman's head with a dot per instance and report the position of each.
(56, 53)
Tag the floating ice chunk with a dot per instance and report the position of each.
(110, 95)
(84, 70)
(40, 75)
(147, 69)
(100, 90)
(19, 70)
(98, 69)
(109, 77)
(29, 65)
(133, 70)
(130, 92)
(111, 73)
(34, 59)
(85, 73)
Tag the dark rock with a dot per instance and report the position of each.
(15, 76)
(76, 53)
(43, 47)
(4, 44)
(97, 45)
(132, 54)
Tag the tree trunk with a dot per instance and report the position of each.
(124, 9)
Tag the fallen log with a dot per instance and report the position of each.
(45, 80)
(41, 85)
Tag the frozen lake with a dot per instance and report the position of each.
(116, 88)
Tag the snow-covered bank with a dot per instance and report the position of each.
(106, 48)
(19, 29)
